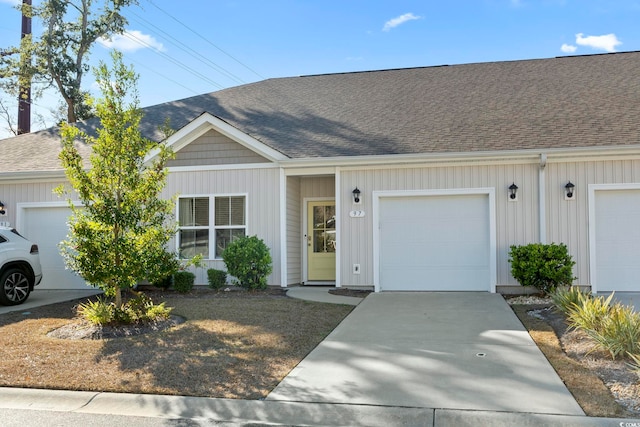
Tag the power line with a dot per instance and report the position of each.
(163, 76)
(192, 51)
(175, 61)
(206, 39)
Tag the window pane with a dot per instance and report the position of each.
(222, 211)
(318, 217)
(324, 241)
(237, 211)
(194, 212)
(194, 242)
(224, 237)
(186, 212)
(230, 211)
(202, 211)
(330, 217)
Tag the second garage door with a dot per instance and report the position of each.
(617, 240)
(435, 243)
(47, 226)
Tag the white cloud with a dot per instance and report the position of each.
(567, 48)
(130, 41)
(607, 42)
(392, 23)
(11, 2)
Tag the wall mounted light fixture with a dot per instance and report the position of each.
(513, 192)
(569, 191)
(356, 195)
(2, 211)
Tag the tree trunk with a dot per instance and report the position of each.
(71, 114)
(118, 297)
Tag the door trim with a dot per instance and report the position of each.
(488, 191)
(305, 216)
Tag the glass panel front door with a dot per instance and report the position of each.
(321, 240)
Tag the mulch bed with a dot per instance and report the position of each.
(344, 292)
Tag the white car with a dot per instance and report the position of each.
(20, 268)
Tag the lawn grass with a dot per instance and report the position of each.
(231, 346)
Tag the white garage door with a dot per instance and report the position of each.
(435, 243)
(47, 226)
(617, 240)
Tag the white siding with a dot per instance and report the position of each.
(516, 222)
(261, 187)
(567, 221)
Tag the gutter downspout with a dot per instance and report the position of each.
(542, 199)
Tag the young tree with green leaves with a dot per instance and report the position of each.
(119, 235)
(58, 56)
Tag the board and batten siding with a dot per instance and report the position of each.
(261, 186)
(568, 221)
(213, 148)
(517, 223)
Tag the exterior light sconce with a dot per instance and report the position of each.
(356, 195)
(569, 191)
(513, 192)
(2, 211)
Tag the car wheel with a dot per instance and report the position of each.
(14, 287)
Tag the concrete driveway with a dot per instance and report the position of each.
(455, 350)
(45, 297)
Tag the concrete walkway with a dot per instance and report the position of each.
(452, 350)
(321, 294)
(443, 378)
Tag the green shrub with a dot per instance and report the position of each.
(619, 331)
(544, 267)
(164, 283)
(161, 273)
(217, 278)
(140, 309)
(183, 281)
(564, 298)
(588, 312)
(98, 312)
(249, 261)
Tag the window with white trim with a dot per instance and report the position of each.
(207, 224)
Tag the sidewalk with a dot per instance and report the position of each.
(29, 407)
(207, 411)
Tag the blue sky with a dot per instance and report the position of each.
(184, 48)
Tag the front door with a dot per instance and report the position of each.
(321, 240)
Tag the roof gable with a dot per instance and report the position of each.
(206, 123)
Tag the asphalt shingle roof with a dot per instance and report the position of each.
(575, 101)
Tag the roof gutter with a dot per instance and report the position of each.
(517, 156)
(23, 176)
